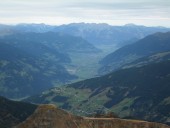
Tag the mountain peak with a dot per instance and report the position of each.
(47, 107)
(130, 24)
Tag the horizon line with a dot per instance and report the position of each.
(127, 24)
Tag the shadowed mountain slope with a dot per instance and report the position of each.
(141, 93)
(14, 112)
(159, 42)
(33, 62)
(30, 68)
(151, 59)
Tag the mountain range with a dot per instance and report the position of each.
(105, 37)
(138, 89)
(33, 62)
(140, 93)
(158, 42)
(97, 34)
(132, 82)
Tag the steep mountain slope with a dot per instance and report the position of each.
(154, 58)
(13, 112)
(48, 116)
(60, 42)
(23, 74)
(159, 42)
(104, 34)
(105, 37)
(141, 93)
(33, 62)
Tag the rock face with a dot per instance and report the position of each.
(49, 116)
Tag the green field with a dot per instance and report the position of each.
(86, 65)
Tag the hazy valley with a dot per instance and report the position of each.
(86, 69)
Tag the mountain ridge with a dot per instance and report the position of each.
(143, 93)
(14, 112)
(99, 34)
(34, 59)
(50, 116)
(158, 42)
(96, 34)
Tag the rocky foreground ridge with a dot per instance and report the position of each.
(49, 116)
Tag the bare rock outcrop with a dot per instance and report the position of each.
(49, 116)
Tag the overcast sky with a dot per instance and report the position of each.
(114, 12)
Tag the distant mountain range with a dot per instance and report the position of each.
(97, 34)
(134, 80)
(63, 43)
(105, 37)
(22, 28)
(137, 89)
(151, 44)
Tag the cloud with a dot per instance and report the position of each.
(147, 12)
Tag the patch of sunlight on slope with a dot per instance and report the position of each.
(123, 107)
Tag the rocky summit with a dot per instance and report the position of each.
(49, 116)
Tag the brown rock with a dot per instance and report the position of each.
(49, 116)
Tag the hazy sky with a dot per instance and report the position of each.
(115, 12)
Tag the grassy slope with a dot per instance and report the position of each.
(49, 116)
(86, 65)
(136, 92)
(154, 58)
(159, 42)
(22, 74)
(33, 62)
